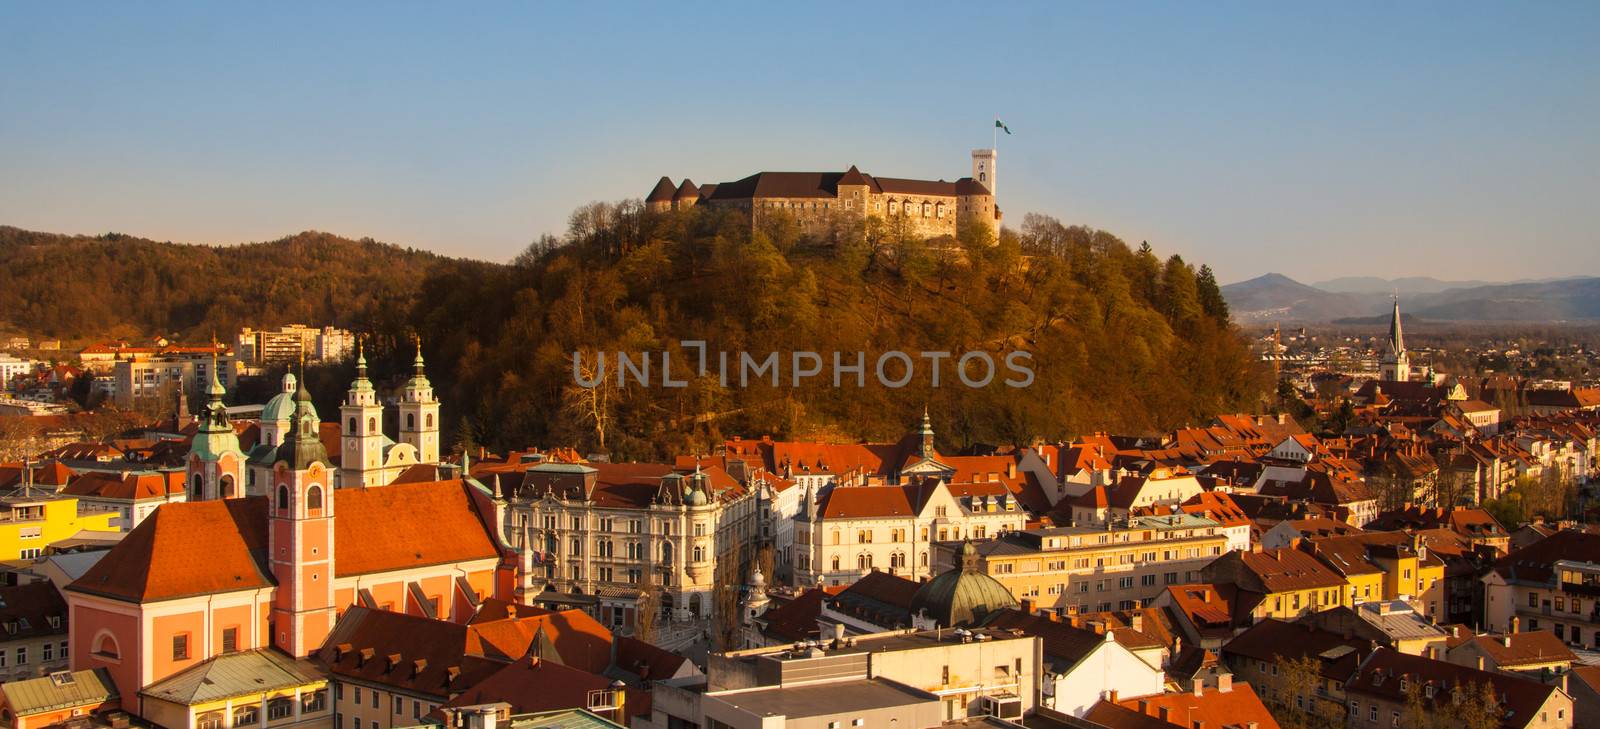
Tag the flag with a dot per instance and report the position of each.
(1002, 125)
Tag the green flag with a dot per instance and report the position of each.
(1002, 125)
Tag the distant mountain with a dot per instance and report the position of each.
(1275, 297)
(1408, 286)
(1544, 301)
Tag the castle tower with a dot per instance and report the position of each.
(660, 198)
(300, 539)
(983, 168)
(215, 468)
(419, 414)
(1396, 364)
(361, 434)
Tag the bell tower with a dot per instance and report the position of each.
(419, 414)
(300, 536)
(216, 464)
(361, 437)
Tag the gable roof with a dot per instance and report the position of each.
(1238, 706)
(1380, 675)
(230, 675)
(131, 486)
(1532, 647)
(47, 693)
(206, 547)
(529, 684)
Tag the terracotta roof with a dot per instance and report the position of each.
(581, 640)
(852, 176)
(686, 191)
(184, 549)
(645, 660)
(1527, 648)
(797, 619)
(1217, 506)
(1382, 672)
(1533, 563)
(1286, 570)
(131, 486)
(1064, 644)
(194, 548)
(1275, 640)
(405, 652)
(871, 501)
(529, 684)
(1237, 706)
(1210, 608)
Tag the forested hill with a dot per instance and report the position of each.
(1122, 339)
(121, 286)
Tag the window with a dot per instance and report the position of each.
(399, 704)
(245, 715)
(314, 702)
(836, 563)
(374, 693)
(280, 708)
(314, 498)
(213, 720)
(416, 709)
(49, 652)
(864, 536)
(283, 498)
(180, 647)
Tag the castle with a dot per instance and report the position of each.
(931, 207)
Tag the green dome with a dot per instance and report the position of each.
(281, 407)
(962, 596)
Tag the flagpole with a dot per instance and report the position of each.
(995, 132)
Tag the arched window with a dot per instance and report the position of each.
(283, 498)
(430, 420)
(372, 425)
(411, 421)
(227, 487)
(926, 209)
(105, 646)
(666, 552)
(836, 563)
(194, 488)
(864, 562)
(314, 499)
(894, 207)
(897, 560)
(352, 424)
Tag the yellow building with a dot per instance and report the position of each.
(1120, 566)
(31, 522)
(1283, 583)
(253, 688)
(1385, 566)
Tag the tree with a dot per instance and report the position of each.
(591, 405)
(1211, 299)
(647, 611)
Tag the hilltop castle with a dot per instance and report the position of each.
(933, 207)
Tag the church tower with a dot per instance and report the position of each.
(1396, 364)
(215, 468)
(300, 536)
(983, 167)
(361, 440)
(419, 414)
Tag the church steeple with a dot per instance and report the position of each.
(927, 434)
(361, 430)
(1396, 363)
(216, 463)
(300, 539)
(419, 413)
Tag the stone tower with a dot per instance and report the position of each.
(983, 168)
(419, 414)
(361, 437)
(300, 539)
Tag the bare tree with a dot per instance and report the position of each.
(590, 405)
(648, 609)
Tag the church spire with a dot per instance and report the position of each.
(1397, 341)
(927, 434)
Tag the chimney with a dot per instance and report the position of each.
(1137, 622)
(1027, 606)
(1505, 640)
(1564, 681)
(1516, 624)
(1111, 696)
(1163, 712)
(1480, 663)
(1144, 706)
(1224, 683)
(1199, 687)
(838, 631)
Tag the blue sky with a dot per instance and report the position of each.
(1446, 139)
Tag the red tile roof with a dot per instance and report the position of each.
(126, 487)
(1238, 706)
(220, 546)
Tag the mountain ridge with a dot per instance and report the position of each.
(1274, 296)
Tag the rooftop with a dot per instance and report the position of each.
(824, 699)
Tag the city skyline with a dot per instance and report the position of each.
(1314, 143)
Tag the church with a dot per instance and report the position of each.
(234, 581)
(930, 207)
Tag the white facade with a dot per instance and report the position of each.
(1109, 667)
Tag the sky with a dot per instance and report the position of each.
(1447, 139)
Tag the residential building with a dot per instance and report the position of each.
(1382, 566)
(1378, 692)
(1390, 623)
(1227, 705)
(32, 519)
(1115, 567)
(1553, 584)
(130, 496)
(256, 687)
(612, 530)
(34, 618)
(1102, 504)
(1536, 654)
(1263, 652)
(852, 530)
(162, 375)
(287, 344)
(1281, 583)
(1081, 665)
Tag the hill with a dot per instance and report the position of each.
(116, 285)
(1120, 339)
(1274, 296)
(1408, 286)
